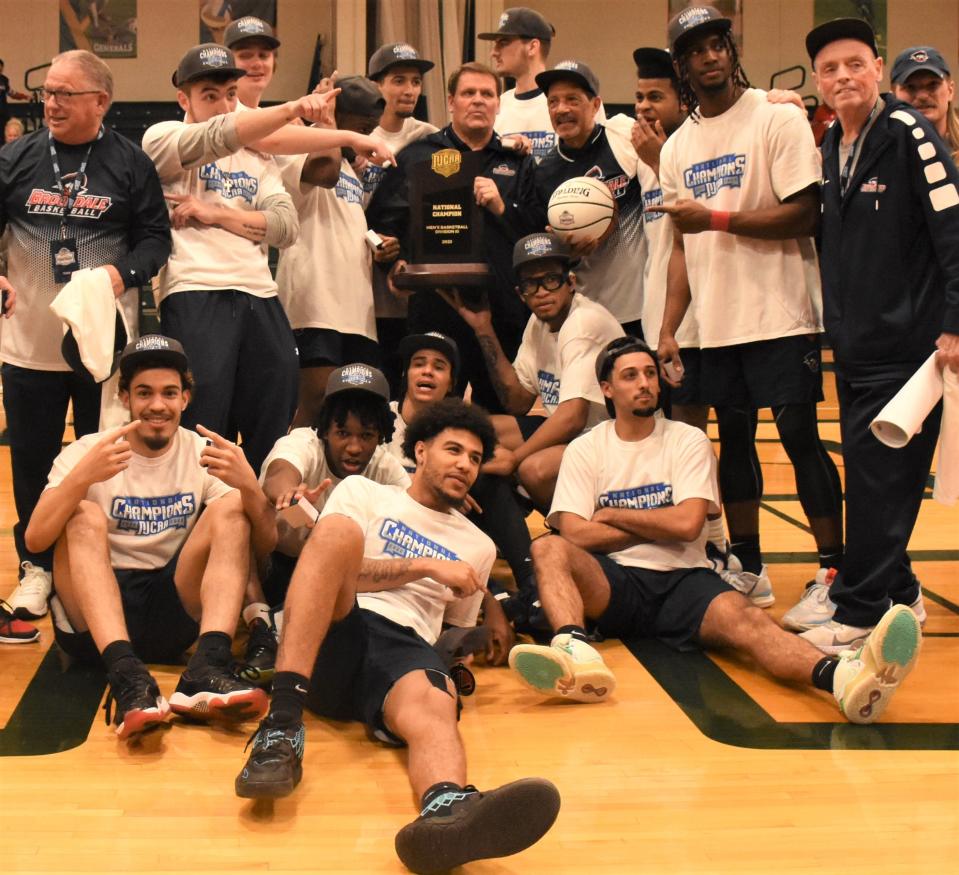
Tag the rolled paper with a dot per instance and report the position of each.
(946, 489)
(904, 415)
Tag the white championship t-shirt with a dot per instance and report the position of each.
(397, 527)
(561, 365)
(325, 276)
(659, 242)
(152, 506)
(674, 463)
(205, 257)
(303, 449)
(752, 157)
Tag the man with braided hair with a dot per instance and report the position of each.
(740, 184)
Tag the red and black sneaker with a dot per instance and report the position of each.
(14, 631)
(207, 692)
(139, 706)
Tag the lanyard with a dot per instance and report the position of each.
(846, 171)
(71, 194)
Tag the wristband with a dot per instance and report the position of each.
(718, 220)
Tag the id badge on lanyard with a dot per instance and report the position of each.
(64, 257)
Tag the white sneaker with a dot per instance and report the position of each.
(918, 607)
(29, 599)
(758, 588)
(815, 607)
(866, 678)
(833, 637)
(569, 669)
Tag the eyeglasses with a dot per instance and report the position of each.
(549, 282)
(47, 94)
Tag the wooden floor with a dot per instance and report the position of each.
(697, 765)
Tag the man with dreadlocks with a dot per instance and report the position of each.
(740, 185)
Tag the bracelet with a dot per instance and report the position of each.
(718, 220)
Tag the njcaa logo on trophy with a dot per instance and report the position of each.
(446, 162)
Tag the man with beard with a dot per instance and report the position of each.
(740, 182)
(630, 557)
(138, 571)
(383, 569)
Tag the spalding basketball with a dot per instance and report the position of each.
(582, 206)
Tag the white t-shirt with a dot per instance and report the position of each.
(151, 506)
(752, 157)
(561, 365)
(325, 276)
(204, 257)
(397, 527)
(303, 449)
(659, 242)
(674, 463)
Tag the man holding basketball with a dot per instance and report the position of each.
(740, 183)
(611, 271)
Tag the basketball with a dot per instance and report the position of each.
(582, 206)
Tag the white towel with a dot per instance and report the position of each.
(946, 489)
(88, 306)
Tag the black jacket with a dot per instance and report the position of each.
(389, 212)
(890, 246)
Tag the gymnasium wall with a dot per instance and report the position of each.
(601, 32)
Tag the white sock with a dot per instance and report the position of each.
(257, 609)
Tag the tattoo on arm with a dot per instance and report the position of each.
(384, 570)
(490, 349)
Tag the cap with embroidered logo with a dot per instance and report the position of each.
(206, 61)
(396, 55)
(694, 21)
(249, 27)
(521, 21)
(915, 59)
(358, 377)
(569, 71)
(164, 351)
(413, 343)
(539, 247)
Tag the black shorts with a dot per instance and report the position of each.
(363, 655)
(320, 347)
(160, 629)
(690, 391)
(767, 373)
(668, 605)
(527, 425)
(633, 329)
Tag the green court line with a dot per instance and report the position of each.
(724, 712)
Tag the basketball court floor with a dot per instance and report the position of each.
(697, 764)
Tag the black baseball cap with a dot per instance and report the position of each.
(396, 55)
(694, 21)
(249, 27)
(207, 61)
(655, 59)
(617, 347)
(524, 22)
(155, 348)
(566, 71)
(358, 377)
(539, 247)
(840, 28)
(413, 343)
(359, 96)
(915, 59)
(71, 350)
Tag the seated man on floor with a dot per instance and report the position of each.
(554, 363)
(350, 436)
(630, 507)
(381, 571)
(138, 571)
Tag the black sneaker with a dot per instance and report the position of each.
(139, 705)
(259, 662)
(211, 693)
(459, 827)
(275, 765)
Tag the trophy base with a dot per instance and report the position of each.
(431, 276)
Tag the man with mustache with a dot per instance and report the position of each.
(921, 78)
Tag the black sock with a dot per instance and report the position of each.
(289, 698)
(823, 673)
(435, 792)
(746, 550)
(119, 658)
(213, 649)
(576, 631)
(830, 557)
